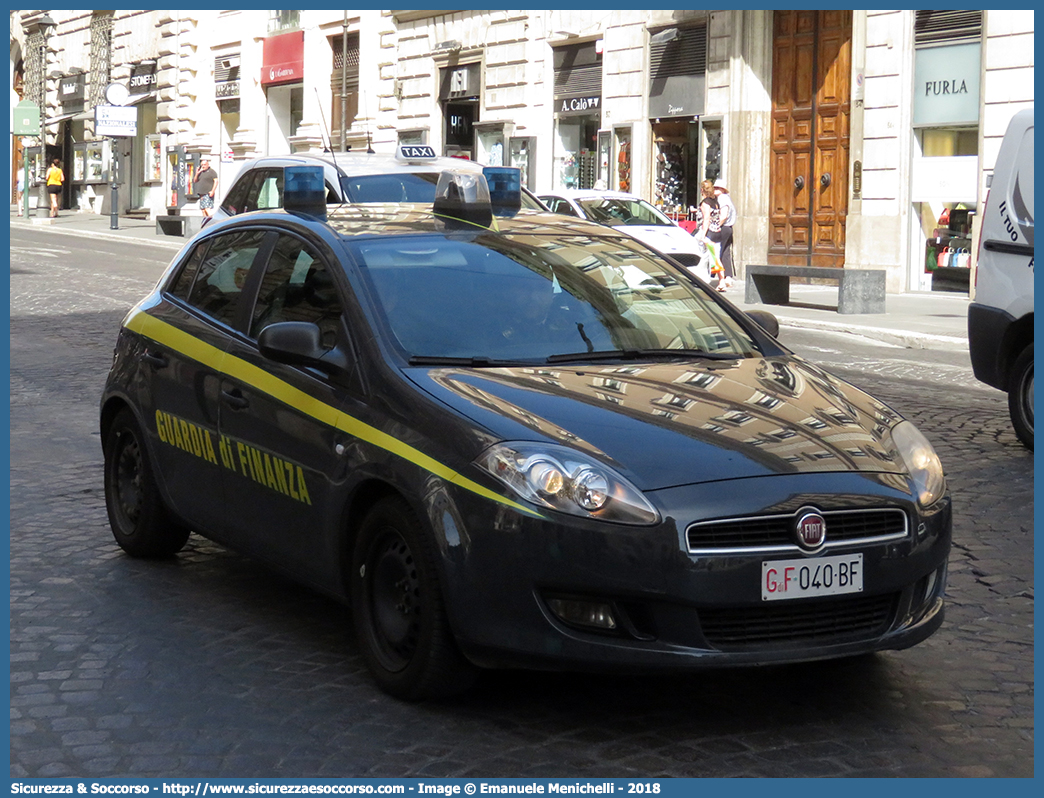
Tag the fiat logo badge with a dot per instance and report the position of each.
(810, 530)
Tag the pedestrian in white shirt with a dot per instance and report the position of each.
(728, 219)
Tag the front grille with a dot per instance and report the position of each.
(820, 622)
(774, 532)
(686, 258)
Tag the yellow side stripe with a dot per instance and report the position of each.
(259, 379)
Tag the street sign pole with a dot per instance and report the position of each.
(114, 196)
(115, 121)
(25, 184)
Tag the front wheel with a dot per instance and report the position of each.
(141, 523)
(398, 611)
(1020, 397)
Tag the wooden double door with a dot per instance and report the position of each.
(811, 92)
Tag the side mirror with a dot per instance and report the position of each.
(766, 321)
(296, 343)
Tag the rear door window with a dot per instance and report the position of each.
(222, 274)
(266, 191)
(182, 283)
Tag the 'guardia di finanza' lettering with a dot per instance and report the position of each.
(266, 469)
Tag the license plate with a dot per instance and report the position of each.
(805, 578)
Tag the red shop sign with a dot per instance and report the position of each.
(283, 59)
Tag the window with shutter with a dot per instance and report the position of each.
(936, 28)
(351, 81)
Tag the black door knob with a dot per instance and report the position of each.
(799, 182)
(824, 181)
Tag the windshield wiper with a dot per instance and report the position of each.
(638, 354)
(478, 361)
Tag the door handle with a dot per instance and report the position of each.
(235, 399)
(824, 181)
(157, 359)
(799, 182)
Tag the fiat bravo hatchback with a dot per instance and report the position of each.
(506, 439)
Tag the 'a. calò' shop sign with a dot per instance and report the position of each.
(946, 85)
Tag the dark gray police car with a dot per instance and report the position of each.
(510, 439)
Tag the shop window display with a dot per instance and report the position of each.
(670, 177)
(95, 165)
(948, 251)
(947, 225)
(577, 157)
(153, 159)
(623, 160)
(686, 151)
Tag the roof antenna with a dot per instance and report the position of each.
(327, 146)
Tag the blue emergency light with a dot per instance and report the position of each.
(304, 191)
(505, 189)
(462, 200)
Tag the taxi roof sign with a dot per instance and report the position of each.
(304, 191)
(415, 153)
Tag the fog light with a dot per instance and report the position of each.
(929, 585)
(583, 613)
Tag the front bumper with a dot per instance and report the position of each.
(677, 609)
(987, 344)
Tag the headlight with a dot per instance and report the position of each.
(568, 481)
(926, 471)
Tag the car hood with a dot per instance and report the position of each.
(668, 424)
(661, 237)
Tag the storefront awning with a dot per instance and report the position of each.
(54, 120)
(142, 98)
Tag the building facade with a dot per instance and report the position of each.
(859, 138)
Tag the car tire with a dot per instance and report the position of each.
(141, 523)
(398, 611)
(1020, 397)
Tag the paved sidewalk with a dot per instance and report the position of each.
(91, 225)
(936, 320)
(930, 320)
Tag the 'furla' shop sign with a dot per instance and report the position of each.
(946, 85)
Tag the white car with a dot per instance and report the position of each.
(408, 175)
(634, 216)
(1000, 318)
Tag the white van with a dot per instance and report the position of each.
(1000, 320)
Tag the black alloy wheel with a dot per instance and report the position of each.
(398, 610)
(141, 523)
(1020, 397)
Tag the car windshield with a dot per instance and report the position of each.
(615, 212)
(500, 297)
(392, 187)
(403, 187)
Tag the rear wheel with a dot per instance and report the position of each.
(1020, 397)
(398, 610)
(141, 523)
